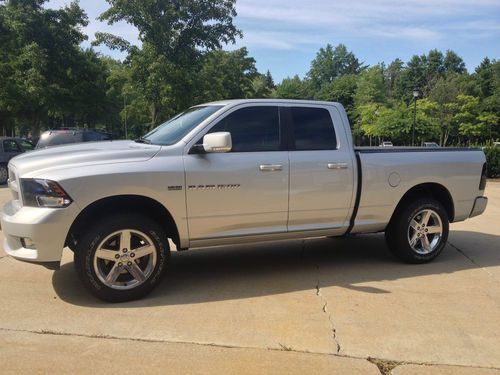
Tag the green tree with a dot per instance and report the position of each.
(294, 88)
(39, 49)
(230, 75)
(453, 63)
(174, 37)
(341, 90)
(331, 63)
(444, 94)
(370, 86)
(467, 117)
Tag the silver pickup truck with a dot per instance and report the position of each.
(226, 173)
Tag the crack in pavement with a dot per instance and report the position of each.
(282, 347)
(384, 366)
(327, 312)
(473, 261)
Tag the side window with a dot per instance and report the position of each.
(90, 136)
(26, 146)
(10, 145)
(313, 129)
(252, 129)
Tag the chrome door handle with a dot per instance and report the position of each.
(270, 167)
(338, 166)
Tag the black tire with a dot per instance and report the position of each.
(401, 232)
(4, 174)
(102, 236)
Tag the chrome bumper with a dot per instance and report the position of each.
(479, 206)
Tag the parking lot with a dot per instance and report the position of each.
(319, 306)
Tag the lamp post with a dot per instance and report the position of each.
(416, 94)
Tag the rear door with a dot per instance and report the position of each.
(11, 148)
(245, 191)
(321, 169)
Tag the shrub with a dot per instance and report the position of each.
(493, 160)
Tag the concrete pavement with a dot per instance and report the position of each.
(317, 306)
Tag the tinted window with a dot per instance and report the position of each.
(252, 129)
(10, 146)
(313, 129)
(91, 136)
(26, 146)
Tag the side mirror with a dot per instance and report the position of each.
(217, 142)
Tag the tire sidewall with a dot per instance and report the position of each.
(84, 257)
(3, 167)
(399, 233)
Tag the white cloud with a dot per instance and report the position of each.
(414, 20)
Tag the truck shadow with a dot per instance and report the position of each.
(237, 272)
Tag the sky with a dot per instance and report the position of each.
(285, 35)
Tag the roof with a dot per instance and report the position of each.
(16, 138)
(277, 101)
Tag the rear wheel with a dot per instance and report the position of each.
(418, 232)
(122, 257)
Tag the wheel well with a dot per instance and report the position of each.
(433, 190)
(123, 204)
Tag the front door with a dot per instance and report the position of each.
(244, 191)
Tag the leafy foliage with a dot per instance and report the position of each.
(48, 80)
(493, 161)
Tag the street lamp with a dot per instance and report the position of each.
(416, 95)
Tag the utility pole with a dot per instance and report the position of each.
(125, 110)
(416, 94)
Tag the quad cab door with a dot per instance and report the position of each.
(321, 169)
(244, 191)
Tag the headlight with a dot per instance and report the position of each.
(43, 193)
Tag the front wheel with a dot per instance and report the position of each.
(418, 232)
(4, 174)
(122, 257)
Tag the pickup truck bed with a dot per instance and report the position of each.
(399, 169)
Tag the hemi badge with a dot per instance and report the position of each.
(175, 188)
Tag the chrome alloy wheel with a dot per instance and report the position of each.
(125, 259)
(425, 231)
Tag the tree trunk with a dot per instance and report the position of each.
(154, 116)
(35, 126)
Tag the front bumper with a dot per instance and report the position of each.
(479, 206)
(47, 228)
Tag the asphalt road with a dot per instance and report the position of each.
(319, 306)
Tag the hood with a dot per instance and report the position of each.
(82, 154)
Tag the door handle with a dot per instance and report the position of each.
(338, 166)
(270, 167)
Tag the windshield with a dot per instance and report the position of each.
(173, 130)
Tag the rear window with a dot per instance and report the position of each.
(59, 138)
(313, 129)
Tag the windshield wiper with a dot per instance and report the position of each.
(143, 140)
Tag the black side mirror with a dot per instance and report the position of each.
(197, 149)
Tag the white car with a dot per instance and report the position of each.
(386, 144)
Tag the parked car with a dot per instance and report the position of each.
(58, 137)
(226, 173)
(386, 144)
(430, 144)
(10, 147)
